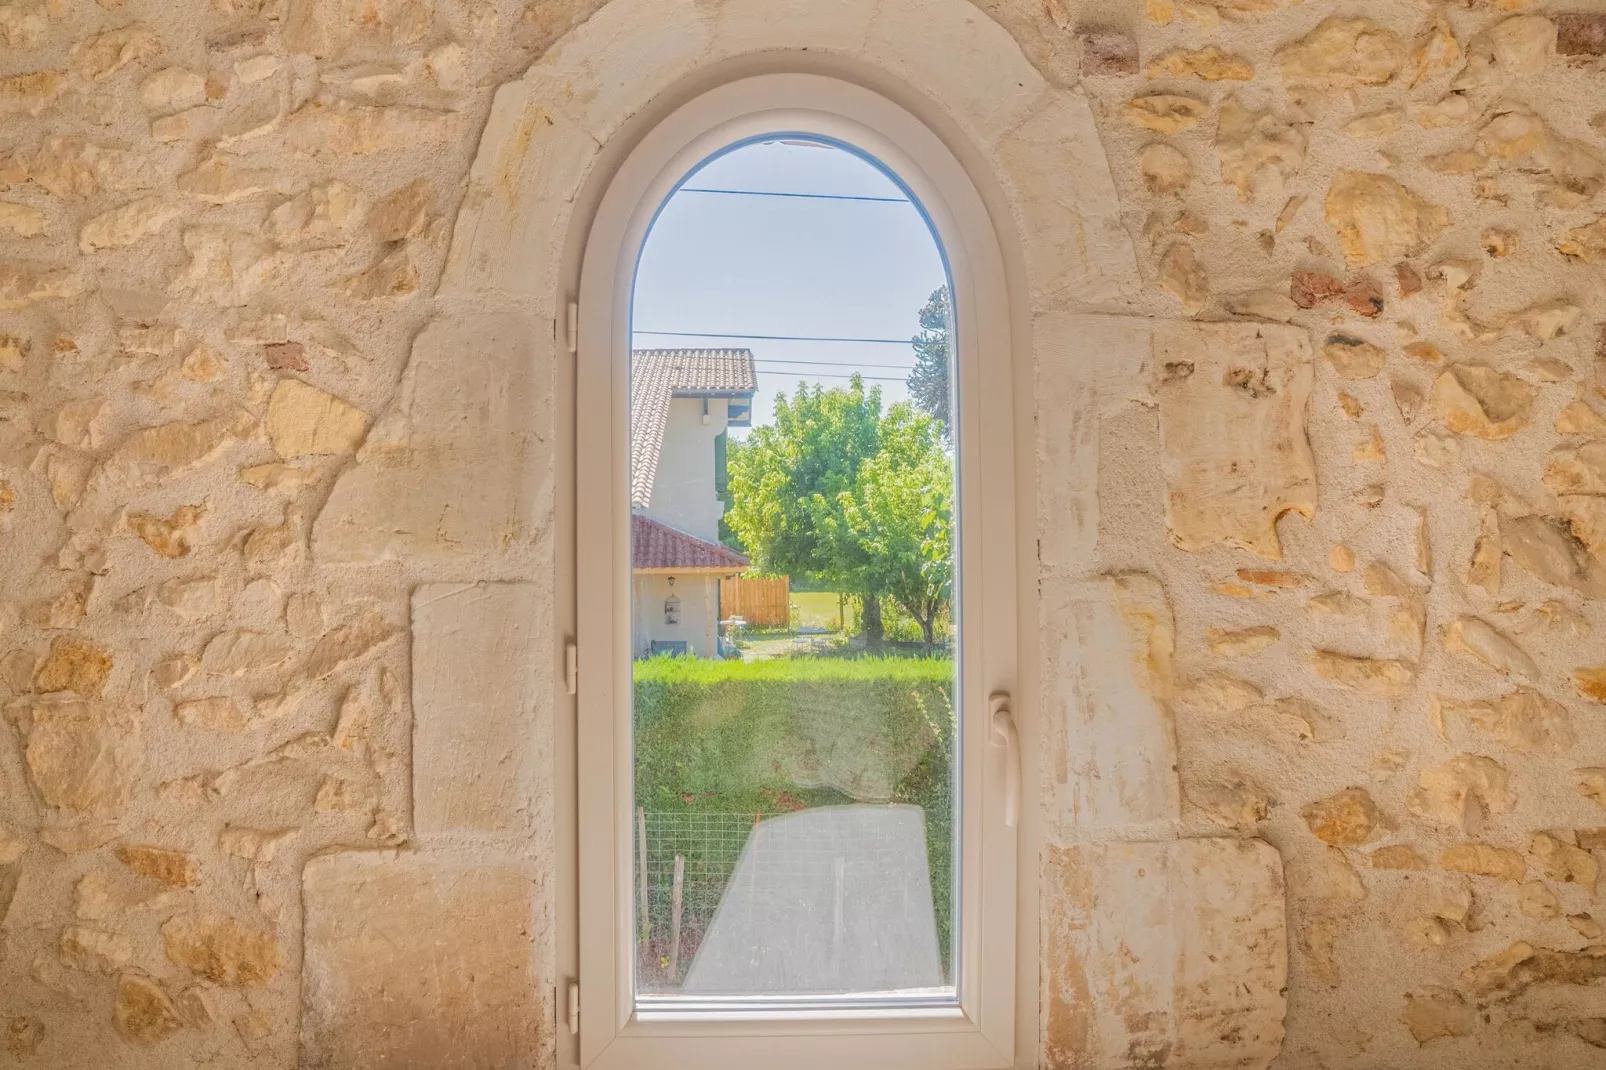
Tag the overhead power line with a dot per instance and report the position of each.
(801, 196)
(777, 337)
(832, 363)
(836, 375)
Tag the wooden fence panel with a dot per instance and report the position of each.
(763, 603)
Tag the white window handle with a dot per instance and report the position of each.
(1001, 733)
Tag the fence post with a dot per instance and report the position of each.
(641, 873)
(674, 919)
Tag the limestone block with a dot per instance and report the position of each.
(530, 163)
(81, 754)
(1517, 48)
(302, 420)
(1258, 150)
(1082, 363)
(21, 286)
(746, 25)
(221, 949)
(1107, 695)
(1183, 277)
(1460, 792)
(104, 54)
(1474, 399)
(1165, 113)
(144, 1013)
(225, 266)
(1164, 169)
(404, 213)
(332, 127)
(1232, 426)
(155, 453)
(22, 220)
(418, 960)
(1347, 819)
(1377, 219)
(327, 28)
(217, 180)
(930, 44)
(1164, 955)
(1209, 63)
(172, 89)
(457, 465)
(240, 651)
(1078, 252)
(629, 52)
(126, 225)
(1342, 52)
(393, 275)
(172, 868)
(31, 93)
(476, 725)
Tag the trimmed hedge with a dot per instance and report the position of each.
(739, 736)
(767, 737)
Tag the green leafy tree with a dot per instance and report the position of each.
(929, 381)
(786, 483)
(837, 491)
(896, 523)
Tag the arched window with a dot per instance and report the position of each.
(789, 828)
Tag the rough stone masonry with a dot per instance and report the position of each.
(1320, 486)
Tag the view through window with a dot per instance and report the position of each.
(794, 543)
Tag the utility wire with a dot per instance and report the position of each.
(838, 375)
(835, 364)
(778, 337)
(803, 196)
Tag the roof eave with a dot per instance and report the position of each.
(692, 570)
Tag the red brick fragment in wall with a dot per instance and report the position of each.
(285, 356)
(1312, 288)
(1107, 52)
(1581, 33)
(1410, 282)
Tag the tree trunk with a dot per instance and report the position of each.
(871, 619)
(928, 625)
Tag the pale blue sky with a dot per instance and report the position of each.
(729, 264)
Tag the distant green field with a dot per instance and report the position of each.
(817, 609)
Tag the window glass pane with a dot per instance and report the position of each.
(793, 553)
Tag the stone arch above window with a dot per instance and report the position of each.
(547, 130)
(538, 160)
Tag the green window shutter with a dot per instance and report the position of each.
(721, 478)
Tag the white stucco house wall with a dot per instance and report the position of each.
(682, 401)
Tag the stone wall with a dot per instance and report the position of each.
(1320, 487)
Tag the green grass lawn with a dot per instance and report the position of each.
(719, 745)
(817, 609)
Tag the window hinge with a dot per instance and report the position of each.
(573, 1008)
(571, 329)
(571, 667)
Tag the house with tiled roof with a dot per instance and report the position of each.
(682, 404)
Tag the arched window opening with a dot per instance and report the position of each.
(798, 774)
(793, 574)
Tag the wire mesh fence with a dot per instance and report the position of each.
(707, 846)
(685, 862)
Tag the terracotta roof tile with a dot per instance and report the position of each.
(656, 376)
(654, 544)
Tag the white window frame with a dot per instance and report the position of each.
(988, 1025)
